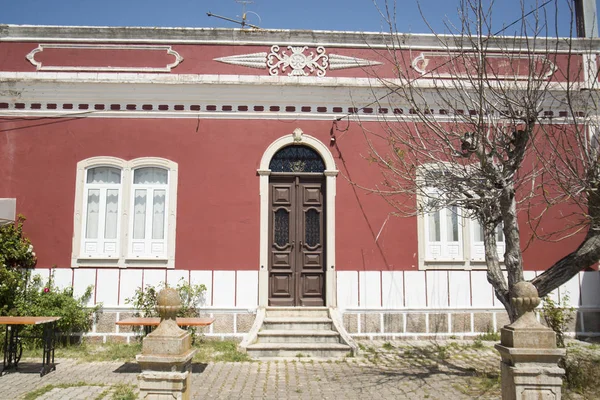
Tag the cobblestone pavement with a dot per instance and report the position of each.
(385, 370)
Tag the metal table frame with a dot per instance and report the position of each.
(13, 346)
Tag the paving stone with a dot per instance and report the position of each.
(387, 370)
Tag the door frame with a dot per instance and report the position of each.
(299, 138)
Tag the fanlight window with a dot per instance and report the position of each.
(297, 159)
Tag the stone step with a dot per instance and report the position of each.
(297, 312)
(298, 336)
(297, 323)
(298, 350)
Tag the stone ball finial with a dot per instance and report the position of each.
(524, 296)
(168, 303)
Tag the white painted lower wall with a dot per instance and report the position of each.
(360, 294)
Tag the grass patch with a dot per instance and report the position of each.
(388, 346)
(489, 336)
(123, 391)
(87, 352)
(581, 372)
(43, 390)
(218, 350)
(208, 351)
(481, 383)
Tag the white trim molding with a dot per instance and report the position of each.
(124, 259)
(330, 193)
(104, 68)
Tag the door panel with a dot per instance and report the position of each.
(296, 262)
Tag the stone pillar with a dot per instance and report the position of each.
(166, 358)
(529, 354)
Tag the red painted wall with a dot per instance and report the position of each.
(218, 194)
(200, 59)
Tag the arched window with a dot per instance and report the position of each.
(125, 212)
(296, 158)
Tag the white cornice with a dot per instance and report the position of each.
(223, 36)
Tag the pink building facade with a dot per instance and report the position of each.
(226, 157)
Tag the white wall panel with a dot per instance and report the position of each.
(414, 285)
(460, 289)
(247, 289)
(482, 292)
(63, 277)
(347, 289)
(154, 277)
(43, 273)
(107, 287)
(571, 288)
(82, 278)
(529, 275)
(392, 290)
(590, 288)
(175, 275)
(437, 289)
(203, 278)
(131, 279)
(370, 289)
(224, 289)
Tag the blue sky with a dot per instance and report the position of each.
(352, 15)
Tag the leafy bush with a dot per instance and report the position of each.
(16, 256)
(49, 300)
(557, 317)
(192, 297)
(144, 300)
(22, 295)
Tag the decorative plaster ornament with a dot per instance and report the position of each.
(298, 63)
(254, 60)
(298, 135)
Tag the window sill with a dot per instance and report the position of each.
(465, 265)
(110, 262)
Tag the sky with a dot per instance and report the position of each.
(346, 15)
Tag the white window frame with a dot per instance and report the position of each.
(148, 247)
(101, 247)
(470, 253)
(478, 248)
(124, 257)
(444, 249)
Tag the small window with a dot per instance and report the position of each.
(102, 206)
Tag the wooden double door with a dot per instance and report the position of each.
(297, 248)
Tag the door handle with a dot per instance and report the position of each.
(301, 243)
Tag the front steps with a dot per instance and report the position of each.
(286, 332)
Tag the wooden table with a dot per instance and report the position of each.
(13, 347)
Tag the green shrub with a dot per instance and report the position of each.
(144, 300)
(557, 317)
(48, 300)
(16, 256)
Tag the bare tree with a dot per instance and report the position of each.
(490, 126)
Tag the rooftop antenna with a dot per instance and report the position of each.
(243, 22)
